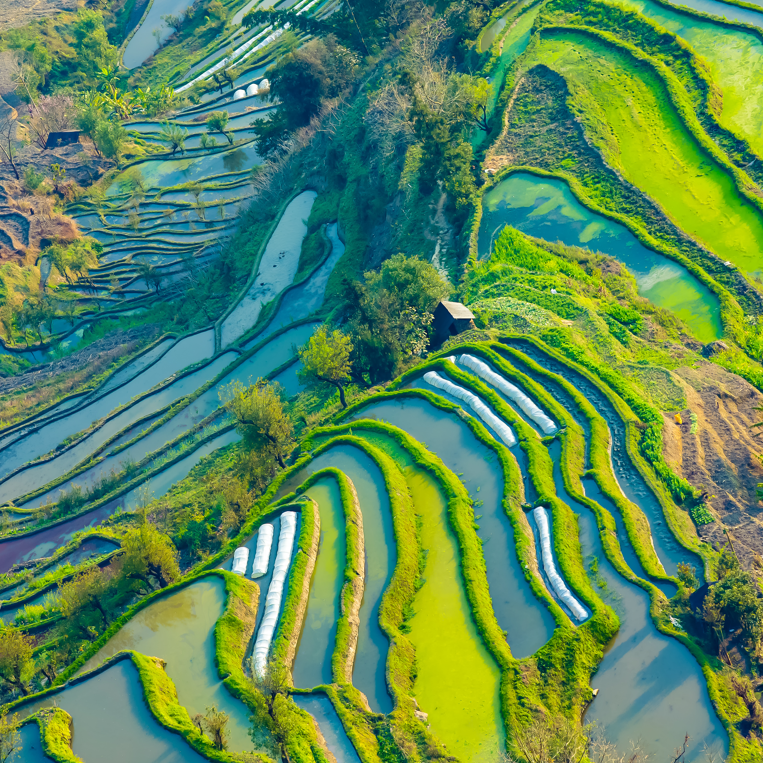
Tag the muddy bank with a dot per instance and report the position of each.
(716, 449)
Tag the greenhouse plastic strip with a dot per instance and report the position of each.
(557, 582)
(475, 403)
(240, 560)
(515, 394)
(262, 554)
(275, 592)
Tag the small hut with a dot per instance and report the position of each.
(62, 138)
(451, 318)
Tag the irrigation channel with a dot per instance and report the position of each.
(153, 420)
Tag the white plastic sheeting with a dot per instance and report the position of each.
(252, 89)
(474, 402)
(264, 85)
(240, 560)
(549, 565)
(239, 94)
(247, 50)
(275, 592)
(262, 554)
(514, 393)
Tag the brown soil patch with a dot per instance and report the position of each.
(55, 380)
(16, 13)
(720, 457)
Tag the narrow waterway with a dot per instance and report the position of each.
(651, 690)
(369, 674)
(312, 665)
(633, 485)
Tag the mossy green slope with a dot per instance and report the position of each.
(626, 112)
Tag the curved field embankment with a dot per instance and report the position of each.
(627, 113)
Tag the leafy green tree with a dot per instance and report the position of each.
(48, 663)
(260, 417)
(84, 595)
(121, 104)
(300, 82)
(90, 113)
(482, 94)
(91, 43)
(273, 685)
(149, 554)
(389, 316)
(10, 738)
(236, 501)
(217, 121)
(76, 258)
(36, 312)
(215, 723)
(687, 574)
(16, 661)
(457, 175)
(326, 360)
(151, 275)
(110, 139)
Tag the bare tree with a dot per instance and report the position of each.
(7, 141)
(51, 113)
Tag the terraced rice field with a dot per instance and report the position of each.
(628, 115)
(480, 536)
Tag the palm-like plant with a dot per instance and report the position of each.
(175, 135)
(217, 121)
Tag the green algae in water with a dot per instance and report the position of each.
(546, 208)
(527, 622)
(457, 681)
(734, 55)
(312, 666)
(179, 628)
(627, 114)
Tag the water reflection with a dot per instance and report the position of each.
(547, 209)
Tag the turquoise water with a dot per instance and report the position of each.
(31, 745)
(144, 42)
(112, 723)
(190, 350)
(651, 689)
(179, 628)
(547, 209)
(320, 707)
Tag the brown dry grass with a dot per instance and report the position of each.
(16, 13)
(27, 402)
